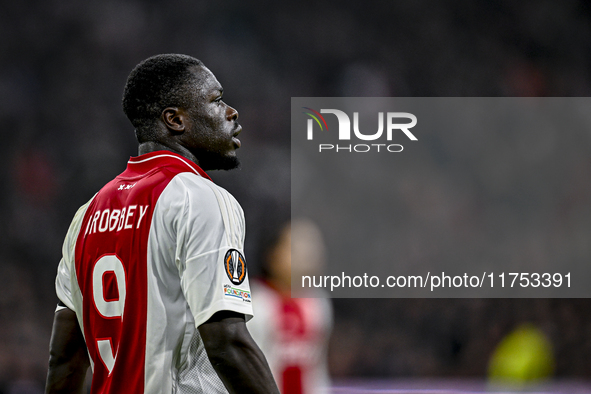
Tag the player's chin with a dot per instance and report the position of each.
(226, 162)
(230, 163)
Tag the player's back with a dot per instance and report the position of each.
(131, 304)
(111, 268)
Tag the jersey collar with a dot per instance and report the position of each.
(163, 158)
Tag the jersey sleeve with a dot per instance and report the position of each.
(66, 268)
(210, 250)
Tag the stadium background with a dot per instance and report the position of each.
(63, 67)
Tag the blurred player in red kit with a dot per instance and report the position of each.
(153, 289)
(293, 332)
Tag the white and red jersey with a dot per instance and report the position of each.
(153, 255)
(293, 334)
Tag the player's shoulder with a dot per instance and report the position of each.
(78, 218)
(69, 244)
(192, 198)
(200, 190)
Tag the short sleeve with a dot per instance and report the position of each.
(62, 284)
(66, 268)
(210, 258)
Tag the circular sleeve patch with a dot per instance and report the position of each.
(235, 266)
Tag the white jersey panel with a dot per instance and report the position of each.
(194, 225)
(65, 282)
(211, 226)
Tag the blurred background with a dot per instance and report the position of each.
(62, 71)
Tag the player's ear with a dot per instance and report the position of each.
(175, 119)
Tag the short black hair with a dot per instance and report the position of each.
(155, 84)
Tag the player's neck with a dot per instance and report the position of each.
(153, 146)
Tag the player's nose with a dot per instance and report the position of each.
(231, 113)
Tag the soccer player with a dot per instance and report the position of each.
(153, 287)
(293, 332)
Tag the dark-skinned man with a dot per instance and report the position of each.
(153, 283)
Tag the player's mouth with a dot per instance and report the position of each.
(234, 139)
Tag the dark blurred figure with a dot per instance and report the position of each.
(293, 332)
